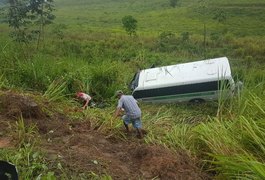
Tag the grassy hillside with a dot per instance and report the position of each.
(90, 33)
(87, 49)
(243, 18)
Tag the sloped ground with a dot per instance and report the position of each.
(80, 149)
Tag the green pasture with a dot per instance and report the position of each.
(243, 18)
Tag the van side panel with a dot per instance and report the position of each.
(180, 89)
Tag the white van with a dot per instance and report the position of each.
(188, 82)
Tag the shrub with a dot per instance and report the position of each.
(167, 41)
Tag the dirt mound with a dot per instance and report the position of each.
(85, 150)
(156, 161)
(13, 105)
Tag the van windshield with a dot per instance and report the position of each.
(135, 80)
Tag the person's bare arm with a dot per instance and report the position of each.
(117, 112)
(85, 105)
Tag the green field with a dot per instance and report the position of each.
(86, 48)
(243, 18)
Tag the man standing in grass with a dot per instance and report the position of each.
(132, 110)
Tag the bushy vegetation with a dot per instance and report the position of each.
(87, 49)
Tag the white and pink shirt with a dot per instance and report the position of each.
(84, 96)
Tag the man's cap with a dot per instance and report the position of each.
(119, 92)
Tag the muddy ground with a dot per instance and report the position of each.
(80, 149)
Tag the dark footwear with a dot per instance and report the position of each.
(139, 134)
(144, 132)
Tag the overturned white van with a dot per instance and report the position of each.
(188, 82)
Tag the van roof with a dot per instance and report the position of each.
(185, 73)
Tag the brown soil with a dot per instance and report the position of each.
(5, 142)
(80, 149)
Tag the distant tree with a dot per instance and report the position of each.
(173, 3)
(129, 24)
(25, 14)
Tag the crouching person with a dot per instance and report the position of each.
(86, 99)
(132, 112)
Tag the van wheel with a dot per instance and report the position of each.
(197, 101)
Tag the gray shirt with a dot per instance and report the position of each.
(129, 104)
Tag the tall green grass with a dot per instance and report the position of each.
(240, 166)
(236, 140)
(3, 82)
(55, 91)
(81, 61)
(105, 79)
